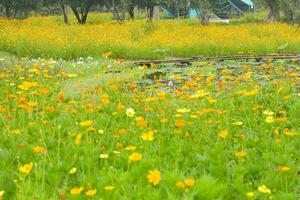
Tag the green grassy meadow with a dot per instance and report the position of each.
(226, 130)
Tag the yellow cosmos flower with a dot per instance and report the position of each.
(26, 169)
(86, 123)
(200, 93)
(154, 177)
(283, 168)
(109, 188)
(1, 193)
(106, 54)
(183, 110)
(27, 85)
(76, 190)
(130, 148)
(289, 132)
(264, 189)
(250, 194)
(78, 139)
(135, 157)
(91, 192)
(148, 136)
(268, 112)
(240, 154)
(103, 156)
(223, 134)
(73, 170)
(120, 107)
(269, 119)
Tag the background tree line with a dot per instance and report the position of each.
(278, 9)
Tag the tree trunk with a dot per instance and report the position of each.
(7, 11)
(274, 11)
(64, 11)
(151, 12)
(131, 12)
(76, 13)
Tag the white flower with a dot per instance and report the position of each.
(130, 112)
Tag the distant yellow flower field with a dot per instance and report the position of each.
(45, 37)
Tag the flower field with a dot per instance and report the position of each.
(46, 37)
(225, 130)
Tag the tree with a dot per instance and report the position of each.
(203, 8)
(13, 7)
(63, 7)
(80, 9)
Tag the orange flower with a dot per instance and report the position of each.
(179, 123)
(39, 149)
(190, 182)
(141, 121)
(180, 184)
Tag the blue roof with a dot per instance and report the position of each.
(248, 2)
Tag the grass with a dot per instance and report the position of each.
(48, 38)
(68, 133)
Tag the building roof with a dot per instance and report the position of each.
(248, 2)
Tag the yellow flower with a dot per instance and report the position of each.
(183, 110)
(289, 132)
(26, 169)
(86, 123)
(135, 157)
(130, 112)
(164, 120)
(283, 168)
(269, 119)
(223, 134)
(200, 93)
(268, 112)
(76, 190)
(1, 193)
(148, 136)
(190, 182)
(240, 154)
(73, 170)
(180, 184)
(120, 107)
(130, 148)
(91, 193)
(250, 194)
(78, 139)
(109, 188)
(27, 85)
(264, 189)
(106, 54)
(103, 156)
(154, 177)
